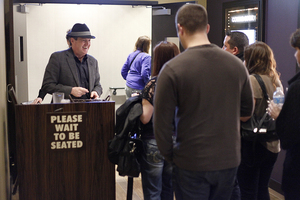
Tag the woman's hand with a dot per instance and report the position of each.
(273, 110)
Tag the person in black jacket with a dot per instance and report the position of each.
(235, 42)
(288, 129)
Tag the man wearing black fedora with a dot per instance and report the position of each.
(73, 71)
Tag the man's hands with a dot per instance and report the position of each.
(79, 91)
(37, 101)
(94, 95)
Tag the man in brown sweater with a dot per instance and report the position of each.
(209, 90)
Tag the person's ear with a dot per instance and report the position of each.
(207, 28)
(71, 40)
(179, 29)
(235, 50)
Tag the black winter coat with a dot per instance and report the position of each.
(288, 130)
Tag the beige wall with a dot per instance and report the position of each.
(3, 120)
(29, 73)
(114, 41)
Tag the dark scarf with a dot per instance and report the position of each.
(240, 56)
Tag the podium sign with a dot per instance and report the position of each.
(63, 155)
(66, 130)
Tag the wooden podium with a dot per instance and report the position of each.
(62, 151)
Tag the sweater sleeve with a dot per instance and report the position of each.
(247, 106)
(42, 94)
(165, 102)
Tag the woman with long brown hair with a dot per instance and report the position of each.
(258, 158)
(156, 172)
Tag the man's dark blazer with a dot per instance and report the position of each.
(61, 74)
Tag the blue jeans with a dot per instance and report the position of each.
(156, 173)
(236, 193)
(255, 171)
(204, 185)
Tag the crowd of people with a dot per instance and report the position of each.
(193, 104)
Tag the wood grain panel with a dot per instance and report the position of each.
(76, 174)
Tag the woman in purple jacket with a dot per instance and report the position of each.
(137, 68)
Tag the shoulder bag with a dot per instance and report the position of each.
(126, 146)
(259, 128)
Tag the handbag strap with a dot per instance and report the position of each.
(262, 85)
(262, 121)
(134, 58)
(266, 96)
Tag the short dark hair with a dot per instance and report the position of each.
(193, 17)
(295, 39)
(162, 53)
(143, 44)
(237, 39)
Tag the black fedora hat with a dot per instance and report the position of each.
(80, 30)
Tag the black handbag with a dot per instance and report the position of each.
(129, 159)
(259, 128)
(126, 147)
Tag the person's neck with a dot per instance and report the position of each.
(80, 58)
(197, 40)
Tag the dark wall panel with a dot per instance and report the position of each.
(281, 21)
(214, 10)
(164, 25)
